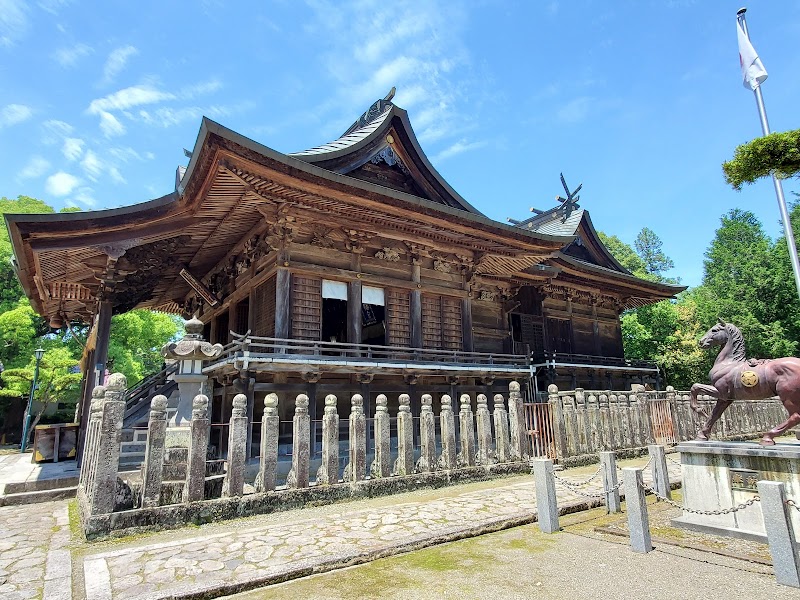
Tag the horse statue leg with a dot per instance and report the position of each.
(794, 418)
(716, 413)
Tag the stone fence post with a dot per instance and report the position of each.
(447, 425)
(153, 468)
(233, 485)
(427, 436)
(466, 425)
(86, 479)
(502, 440)
(195, 489)
(356, 469)
(516, 419)
(381, 465)
(557, 412)
(485, 455)
(268, 461)
(301, 444)
(328, 472)
(405, 437)
(103, 488)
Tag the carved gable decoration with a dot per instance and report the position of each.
(386, 169)
(145, 265)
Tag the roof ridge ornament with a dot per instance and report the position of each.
(565, 208)
(373, 112)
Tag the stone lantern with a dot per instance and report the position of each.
(190, 352)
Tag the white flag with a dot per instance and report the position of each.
(753, 72)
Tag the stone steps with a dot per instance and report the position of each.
(34, 497)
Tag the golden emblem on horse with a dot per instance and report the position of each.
(749, 378)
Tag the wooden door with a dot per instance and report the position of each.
(398, 307)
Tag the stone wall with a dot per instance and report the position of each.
(180, 485)
(585, 422)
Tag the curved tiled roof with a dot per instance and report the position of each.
(347, 140)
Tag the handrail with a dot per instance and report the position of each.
(567, 358)
(144, 384)
(260, 346)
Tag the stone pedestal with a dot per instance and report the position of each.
(190, 352)
(720, 475)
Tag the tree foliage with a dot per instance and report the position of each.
(134, 344)
(776, 152)
(136, 339)
(649, 248)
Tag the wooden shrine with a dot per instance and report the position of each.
(352, 266)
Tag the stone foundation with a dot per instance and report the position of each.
(98, 527)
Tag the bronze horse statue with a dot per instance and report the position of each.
(735, 377)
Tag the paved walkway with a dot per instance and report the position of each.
(38, 558)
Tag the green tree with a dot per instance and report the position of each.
(649, 248)
(57, 387)
(10, 289)
(739, 285)
(136, 339)
(17, 335)
(625, 255)
(776, 152)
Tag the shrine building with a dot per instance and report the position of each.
(349, 267)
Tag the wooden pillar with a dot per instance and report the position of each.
(283, 305)
(596, 330)
(251, 310)
(233, 309)
(416, 308)
(95, 368)
(354, 312)
(466, 325)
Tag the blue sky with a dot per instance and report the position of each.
(641, 101)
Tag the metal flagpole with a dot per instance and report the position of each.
(787, 224)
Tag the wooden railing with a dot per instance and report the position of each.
(588, 359)
(267, 347)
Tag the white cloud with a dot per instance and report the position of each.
(129, 97)
(575, 110)
(36, 167)
(13, 21)
(55, 131)
(68, 57)
(116, 62)
(61, 184)
(417, 47)
(73, 148)
(13, 114)
(201, 89)
(458, 148)
(110, 125)
(52, 6)
(92, 165)
(83, 197)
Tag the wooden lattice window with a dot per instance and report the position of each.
(441, 322)
(306, 307)
(264, 309)
(398, 304)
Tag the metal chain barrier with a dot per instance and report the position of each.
(672, 460)
(581, 483)
(573, 487)
(793, 504)
(724, 511)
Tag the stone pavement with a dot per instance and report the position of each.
(39, 559)
(34, 558)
